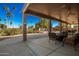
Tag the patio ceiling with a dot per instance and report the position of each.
(67, 13)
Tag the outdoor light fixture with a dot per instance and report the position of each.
(72, 26)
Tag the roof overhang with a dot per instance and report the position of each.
(53, 11)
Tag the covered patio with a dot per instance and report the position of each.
(38, 44)
(64, 13)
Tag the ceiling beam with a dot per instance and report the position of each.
(43, 15)
(25, 7)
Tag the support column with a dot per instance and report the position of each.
(78, 24)
(49, 24)
(70, 26)
(67, 27)
(78, 19)
(60, 17)
(24, 28)
(61, 27)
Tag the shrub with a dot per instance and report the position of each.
(30, 30)
(3, 34)
(10, 31)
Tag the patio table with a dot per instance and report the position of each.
(70, 40)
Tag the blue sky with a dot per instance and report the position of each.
(31, 20)
(17, 13)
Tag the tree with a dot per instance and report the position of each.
(9, 13)
(20, 26)
(14, 7)
(44, 23)
(30, 29)
(37, 26)
(0, 19)
(5, 21)
(6, 10)
(2, 26)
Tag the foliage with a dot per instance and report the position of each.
(30, 29)
(2, 26)
(37, 26)
(0, 19)
(6, 8)
(10, 31)
(42, 24)
(20, 26)
(9, 13)
(14, 7)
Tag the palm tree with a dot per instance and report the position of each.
(9, 14)
(0, 19)
(0, 22)
(14, 7)
(5, 21)
(6, 8)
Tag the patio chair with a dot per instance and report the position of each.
(76, 40)
(62, 37)
(65, 34)
(52, 36)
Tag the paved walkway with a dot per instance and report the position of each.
(35, 46)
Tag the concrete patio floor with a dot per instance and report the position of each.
(39, 46)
